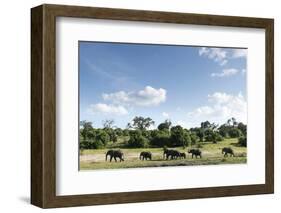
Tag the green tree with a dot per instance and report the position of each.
(205, 125)
(209, 135)
(125, 132)
(102, 137)
(243, 128)
(223, 130)
(242, 141)
(118, 132)
(179, 136)
(193, 138)
(160, 139)
(85, 129)
(165, 125)
(234, 132)
(137, 140)
(232, 122)
(141, 123)
(108, 124)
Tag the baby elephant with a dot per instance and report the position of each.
(145, 156)
(114, 154)
(195, 152)
(226, 151)
(182, 155)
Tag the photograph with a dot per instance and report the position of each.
(151, 105)
(170, 105)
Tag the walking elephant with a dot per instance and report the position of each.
(145, 156)
(226, 151)
(195, 152)
(114, 154)
(170, 153)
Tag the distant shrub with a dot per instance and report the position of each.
(91, 144)
(219, 137)
(160, 139)
(179, 136)
(213, 136)
(194, 138)
(137, 140)
(234, 133)
(242, 141)
(125, 132)
(102, 137)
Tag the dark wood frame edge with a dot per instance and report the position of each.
(43, 105)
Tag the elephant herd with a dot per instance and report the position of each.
(168, 154)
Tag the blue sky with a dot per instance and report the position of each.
(185, 84)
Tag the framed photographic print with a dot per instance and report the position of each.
(136, 106)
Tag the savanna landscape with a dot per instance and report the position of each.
(158, 105)
(209, 139)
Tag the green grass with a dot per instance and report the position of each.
(211, 155)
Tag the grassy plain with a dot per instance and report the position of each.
(211, 155)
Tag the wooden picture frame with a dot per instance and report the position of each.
(43, 105)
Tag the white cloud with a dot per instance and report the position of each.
(222, 63)
(225, 73)
(221, 107)
(165, 114)
(243, 71)
(222, 55)
(204, 51)
(239, 53)
(149, 96)
(108, 109)
(219, 55)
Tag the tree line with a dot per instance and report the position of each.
(138, 135)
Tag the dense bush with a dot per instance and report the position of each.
(102, 137)
(194, 138)
(219, 137)
(125, 132)
(160, 139)
(234, 133)
(164, 126)
(91, 144)
(209, 135)
(242, 141)
(179, 137)
(212, 136)
(118, 132)
(164, 136)
(243, 128)
(137, 140)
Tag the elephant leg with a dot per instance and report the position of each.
(115, 158)
(111, 158)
